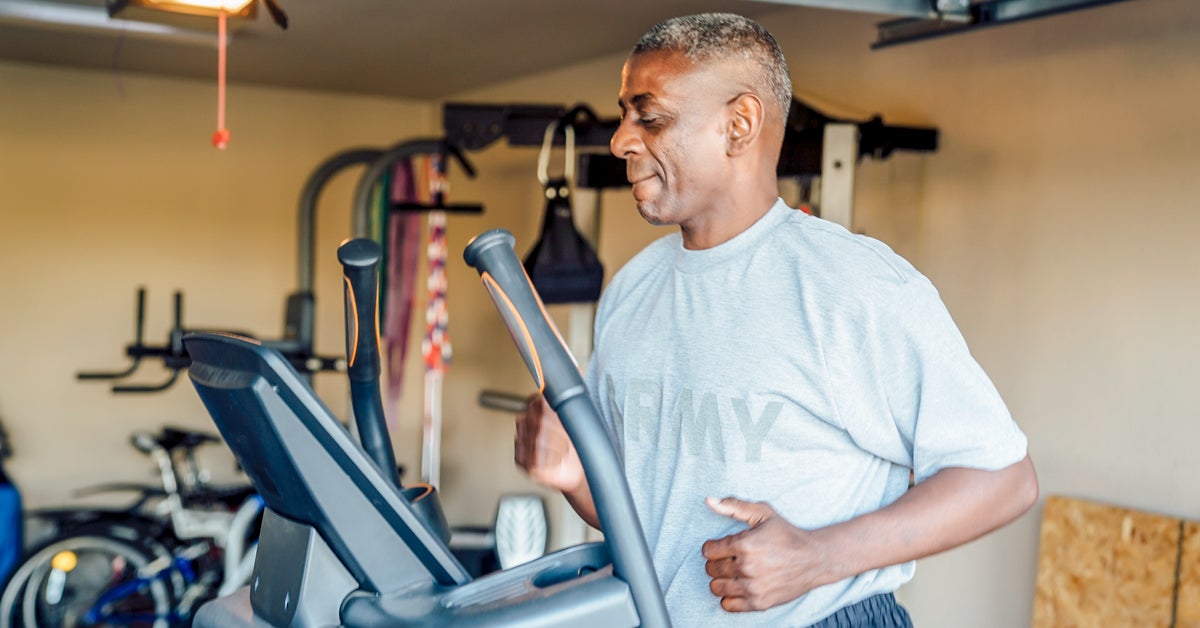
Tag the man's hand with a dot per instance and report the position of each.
(542, 448)
(771, 563)
(774, 562)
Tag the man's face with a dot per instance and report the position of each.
(672, 136)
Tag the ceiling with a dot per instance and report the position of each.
(395, 48)
(422, 49)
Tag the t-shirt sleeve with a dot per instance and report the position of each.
(908, 390)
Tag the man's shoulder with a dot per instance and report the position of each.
(832, 251)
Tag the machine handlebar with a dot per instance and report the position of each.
(360, 266)
(557, 377)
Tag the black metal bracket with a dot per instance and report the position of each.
(447, 150)
(449, 208)
(804, 140)
(978, 15)
(476, 126)
(174, 357)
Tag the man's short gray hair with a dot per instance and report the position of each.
(718, 36)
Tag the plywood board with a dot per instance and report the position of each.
(1187, 613)
(1102, 565)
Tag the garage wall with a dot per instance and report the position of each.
(108, 183)
(1057, 220)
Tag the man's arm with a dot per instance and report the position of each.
(774, 562)
(542, 448)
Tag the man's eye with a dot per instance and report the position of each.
(645, 121)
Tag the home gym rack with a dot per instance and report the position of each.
(477, 126)
(815, 145)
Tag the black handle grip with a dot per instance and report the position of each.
(360, 266)
(557, 377)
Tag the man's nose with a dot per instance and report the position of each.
(624, 141)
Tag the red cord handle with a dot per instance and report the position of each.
(220, 138)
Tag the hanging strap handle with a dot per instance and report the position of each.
(548, 147)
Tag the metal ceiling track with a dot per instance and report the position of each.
(907, 8)
(976, 15)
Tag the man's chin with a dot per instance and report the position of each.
(650, 213)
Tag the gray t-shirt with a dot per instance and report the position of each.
(796, 364)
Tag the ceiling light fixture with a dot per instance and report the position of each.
(68, 17)
(222, 10)
(207, 8)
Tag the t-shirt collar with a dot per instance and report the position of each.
(698, 260)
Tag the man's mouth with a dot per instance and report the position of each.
(644, 187)
(641, 178)
(637, 180)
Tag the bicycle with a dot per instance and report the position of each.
(151, 564)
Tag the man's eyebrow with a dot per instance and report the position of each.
(638, 100)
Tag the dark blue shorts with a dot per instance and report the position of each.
(878, 611)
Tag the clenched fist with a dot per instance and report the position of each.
(542, 448)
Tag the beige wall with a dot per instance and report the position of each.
(108, 183)
(1055, 219)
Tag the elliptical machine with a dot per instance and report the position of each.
(341, 544)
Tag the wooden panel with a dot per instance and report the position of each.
(1187, 614)
(1105, 566)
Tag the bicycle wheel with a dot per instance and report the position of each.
(86, 580)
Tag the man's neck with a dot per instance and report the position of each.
(733, 217)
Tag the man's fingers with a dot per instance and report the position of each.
(542, 448)
(751, 513)
(721, 568)
(737, 605)
(731, 569)
(716, 549)
(735, 595)
(528, 430)
(727, 587)
(521, 436)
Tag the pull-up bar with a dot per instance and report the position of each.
(474, 126)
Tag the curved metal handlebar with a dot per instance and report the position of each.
(557, 376)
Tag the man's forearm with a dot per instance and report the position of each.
(581, 500)
(954, 506)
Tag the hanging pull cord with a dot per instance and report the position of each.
(220, 138)
(548, 147)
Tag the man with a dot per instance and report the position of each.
(777, 359)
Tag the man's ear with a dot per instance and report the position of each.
(746, 117)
